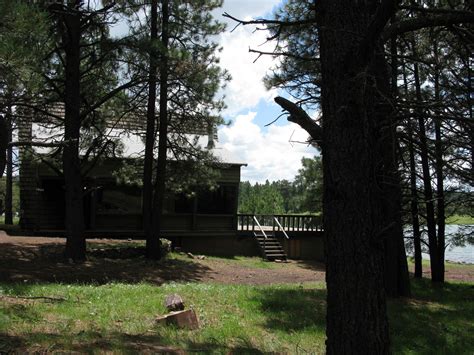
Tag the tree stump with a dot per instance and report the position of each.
(182, 319)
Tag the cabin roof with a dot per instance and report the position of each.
(227, 157)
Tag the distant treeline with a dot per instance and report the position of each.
(302, 195)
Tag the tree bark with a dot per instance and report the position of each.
(356, 305)
(3, 144)
(75, 241)
(163, 128)
(439, 166)
(414, 207)
(9, 174)
(396, 277)
(151, 240)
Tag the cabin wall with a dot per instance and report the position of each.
(114, 207)
(308, 247)
(30, 212)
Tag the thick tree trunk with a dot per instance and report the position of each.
(356, 306)
(152, 247)
(75, 242)
(163, 128)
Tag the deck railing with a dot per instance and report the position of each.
(293, 222)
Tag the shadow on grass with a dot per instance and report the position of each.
(116, 342)
(293, 309)
(435, 320)
(45, 263)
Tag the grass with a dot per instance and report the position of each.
(435, 320)
(118, 316)
(235, 318)
(16, 219)
(460, 219)
(245, 261)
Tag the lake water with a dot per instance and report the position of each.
(463, 254)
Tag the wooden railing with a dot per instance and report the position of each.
(295, 223)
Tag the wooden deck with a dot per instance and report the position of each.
(291, 225)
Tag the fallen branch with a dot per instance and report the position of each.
(52, 299)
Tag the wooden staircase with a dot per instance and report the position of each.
(270, 246)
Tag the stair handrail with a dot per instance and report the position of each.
(282, 229)
(259, 226)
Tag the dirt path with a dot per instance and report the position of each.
(39, 259)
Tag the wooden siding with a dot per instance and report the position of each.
(230, 174)
(30, 213)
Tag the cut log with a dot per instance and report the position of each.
(181, 319)
(174, 303)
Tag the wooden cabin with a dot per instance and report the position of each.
(205, 222)
(113, 208)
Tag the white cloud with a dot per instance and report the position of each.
(244, 8)
(269, 155)
(246, 88)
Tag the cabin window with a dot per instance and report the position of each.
(183, 204)
(119, 199)
(219, 201)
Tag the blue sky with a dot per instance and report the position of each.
(270, 152)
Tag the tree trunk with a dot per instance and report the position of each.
(3, 144)
(428, 191)
(163, 128)
(75, 242)
(356, 306)
(9, 175)
(396, 277)
(414, 207)
(439, 166)
(152, 247)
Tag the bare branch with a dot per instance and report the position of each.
(300, 117)
(285, 54)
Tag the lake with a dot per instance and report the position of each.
(457, 254)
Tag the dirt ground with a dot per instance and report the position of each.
(38, 259)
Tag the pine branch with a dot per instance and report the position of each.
(301, 118)
(414, 24)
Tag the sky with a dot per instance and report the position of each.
(271, 152)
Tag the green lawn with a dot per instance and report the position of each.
(460, 219)
(237, 318)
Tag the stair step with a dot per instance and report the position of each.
(270, 246)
